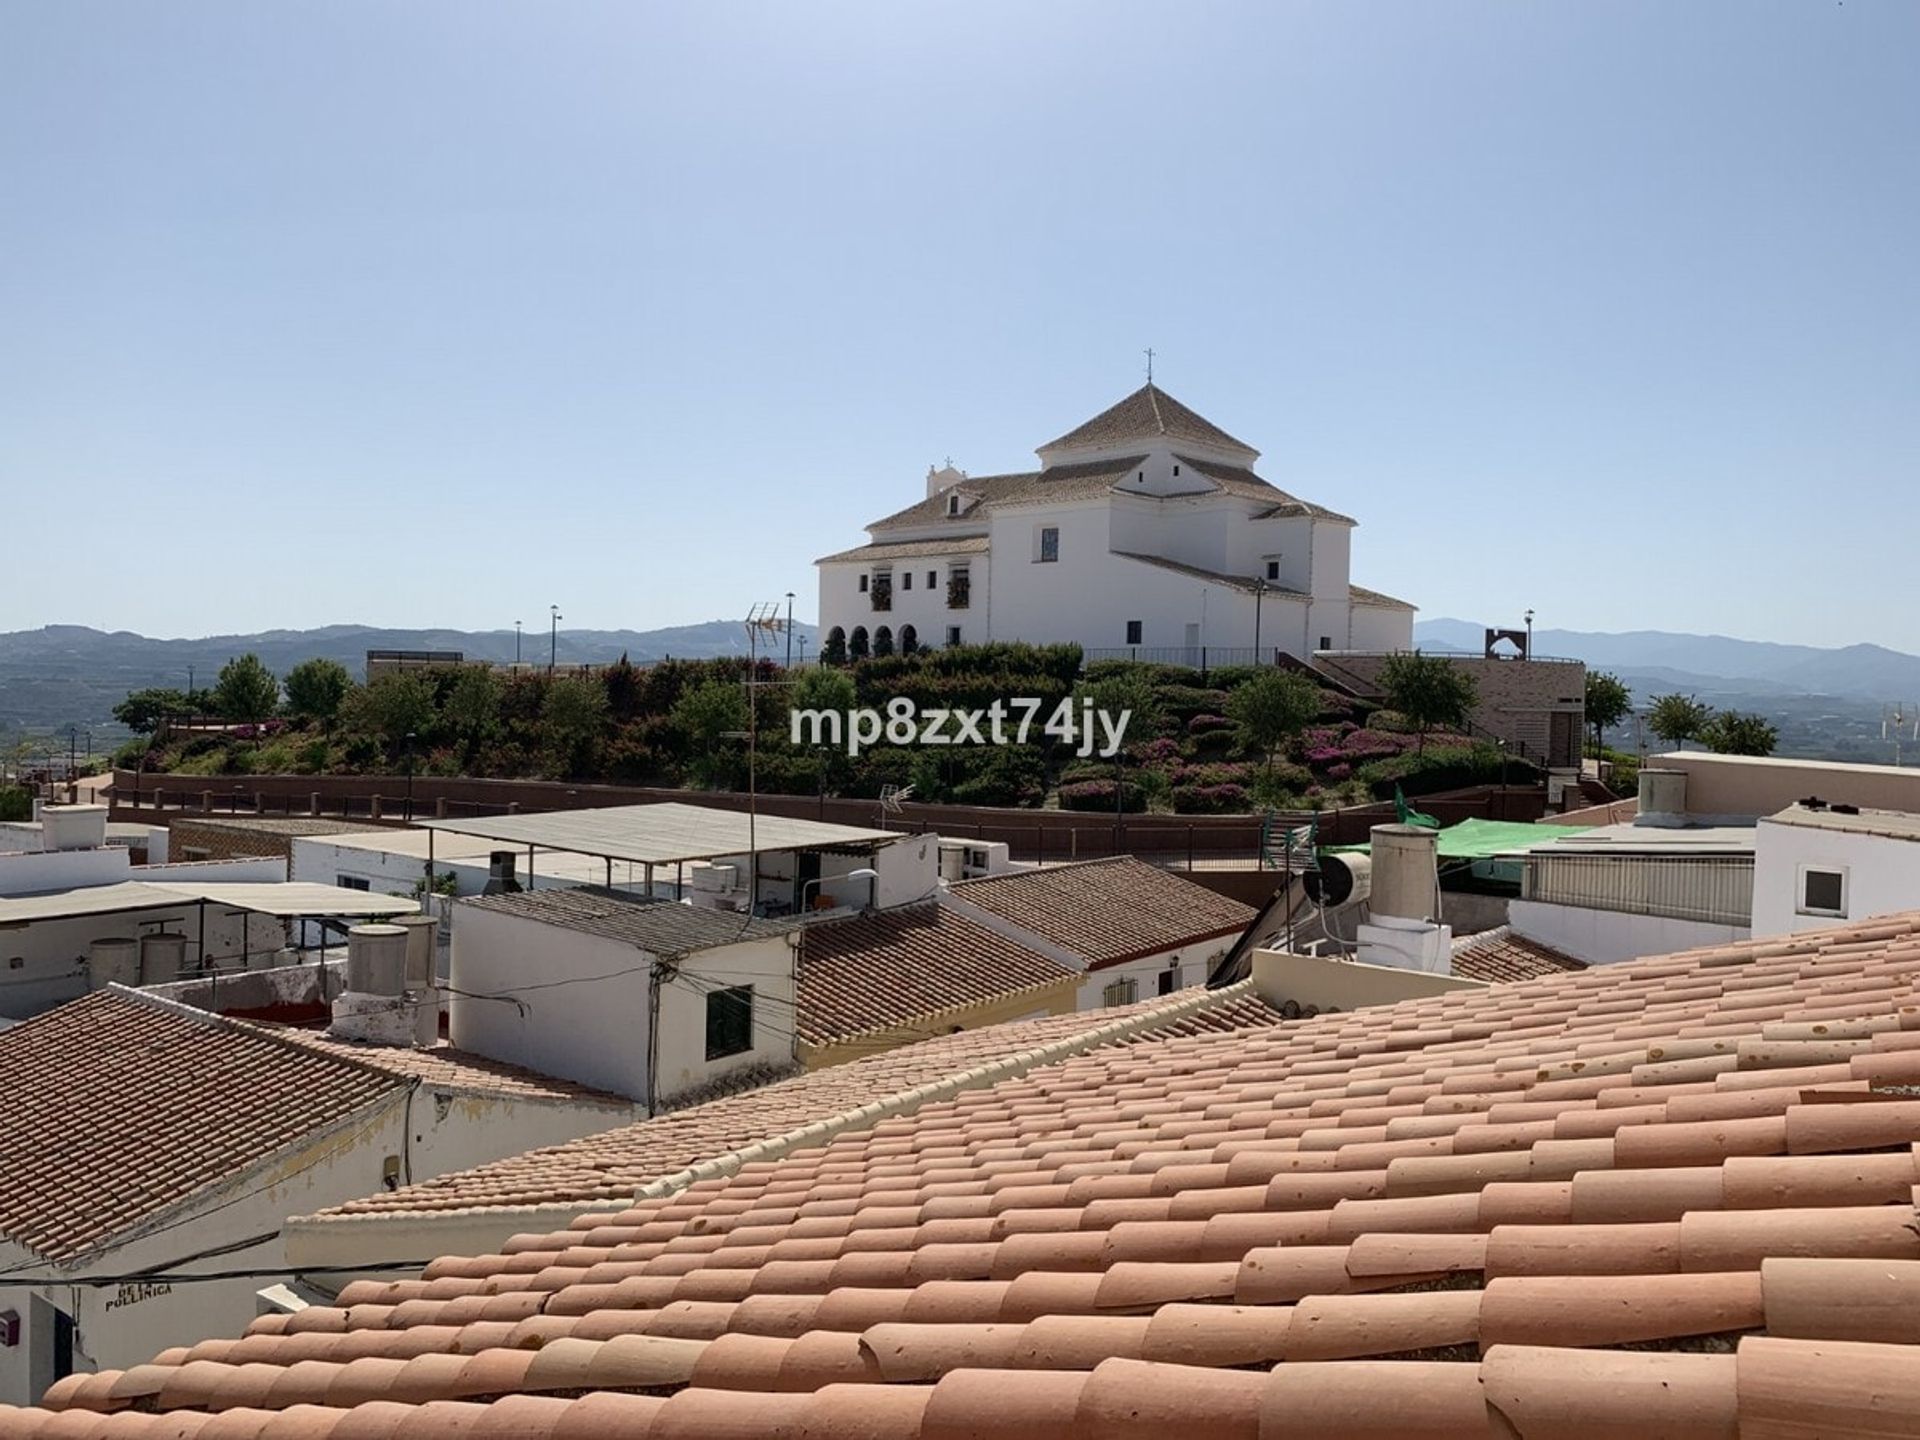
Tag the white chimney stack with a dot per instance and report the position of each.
(1404, 929)
(374, 1008)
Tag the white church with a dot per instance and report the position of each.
(1145, 532)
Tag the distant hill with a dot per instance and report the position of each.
(1715, 662)
(1827, 704)
(72, 675)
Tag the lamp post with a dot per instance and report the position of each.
(516, 644)
(1529, 654)
(789, 629)
(1259, 596)
(553, 639)
(803, 650)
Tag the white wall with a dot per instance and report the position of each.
(595, 1030)
(43, 872)
(843, 603)
(1378, 627)
(1191, 965)
(1601, 937)
(908, 869)
(1882, 875)
(118, 1327)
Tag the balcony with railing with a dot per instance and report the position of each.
(1712, 889)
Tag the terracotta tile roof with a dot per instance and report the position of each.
(120, 1107)
(288, 826)
(449, 1069)
(1499, 954)
(1238, 480)
(613, 1165)
(659, 927)
(910, 550)
(1361, 595)
(885, 969)
(1245, 583)
(1107, 911)
(1672, 1196)
(1055, 483)
(1149, 413)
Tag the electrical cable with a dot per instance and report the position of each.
(163, 1277)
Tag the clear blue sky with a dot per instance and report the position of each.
(434, 313)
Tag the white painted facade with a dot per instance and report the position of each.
(1185, 965)
(1878, 873)
(425, 1132)
(1065, 555)
(43, 963)
(1604, 937)
(596, 1025)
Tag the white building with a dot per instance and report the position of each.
(1145, 531)
(1817, 866)
(149, 1139)
(649, 999)
(1131, 930)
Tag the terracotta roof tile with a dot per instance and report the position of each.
(1499, 954)
(1149, 413)
(1107, 911)
(1759, 1286)
(889, 969)
(121, 1107)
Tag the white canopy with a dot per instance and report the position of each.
(268, 898)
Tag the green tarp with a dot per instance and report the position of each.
(1484, 839)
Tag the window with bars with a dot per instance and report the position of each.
(1121, 992)
(959, 587)
(729, 1022)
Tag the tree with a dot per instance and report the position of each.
(471, 711)
(246, 689)
(317, 688)
(1608, 701)
(1429, 690)
(143, 710)
(710, 717)
(396, 705)
(1734, 733)
(1272, 708)
(1677, 719)
(575, 716)
(833, 649)
(1130, 692)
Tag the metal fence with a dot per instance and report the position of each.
(1715, 889)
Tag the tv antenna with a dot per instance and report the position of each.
(891, 799)
(1900, 721)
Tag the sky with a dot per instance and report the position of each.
(442, 313)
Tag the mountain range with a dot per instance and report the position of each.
(1828, 701)
(64, 675)
(1712, 666)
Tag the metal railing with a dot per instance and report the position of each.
(1193, 657)
(1713, 889)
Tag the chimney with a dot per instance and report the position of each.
(374, 1009)
(500, 876)
(1404, 930)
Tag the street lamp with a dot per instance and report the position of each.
(789, 629)
(1529, 654)
(1259, 595)
(516, 644)
(553, 639)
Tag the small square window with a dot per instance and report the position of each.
(863, 584)
(729, 1022)
(1133, 632)
(906, 579)
(1273, 569)
(1823, 892)
(953, 505)
(953, 635)
(1167, 982)
(1049, 544)
(1326, 642)
(933, 577)
(1176, 470)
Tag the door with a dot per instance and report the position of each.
(806, 870)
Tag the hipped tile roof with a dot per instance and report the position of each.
(885, 969)
(1674, 1196)
(1499, 954)
(1149, 413)
(659, 927)
(120, 1107)
(613, 1165)
(1108, 911)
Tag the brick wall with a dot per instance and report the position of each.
(1519, 700)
